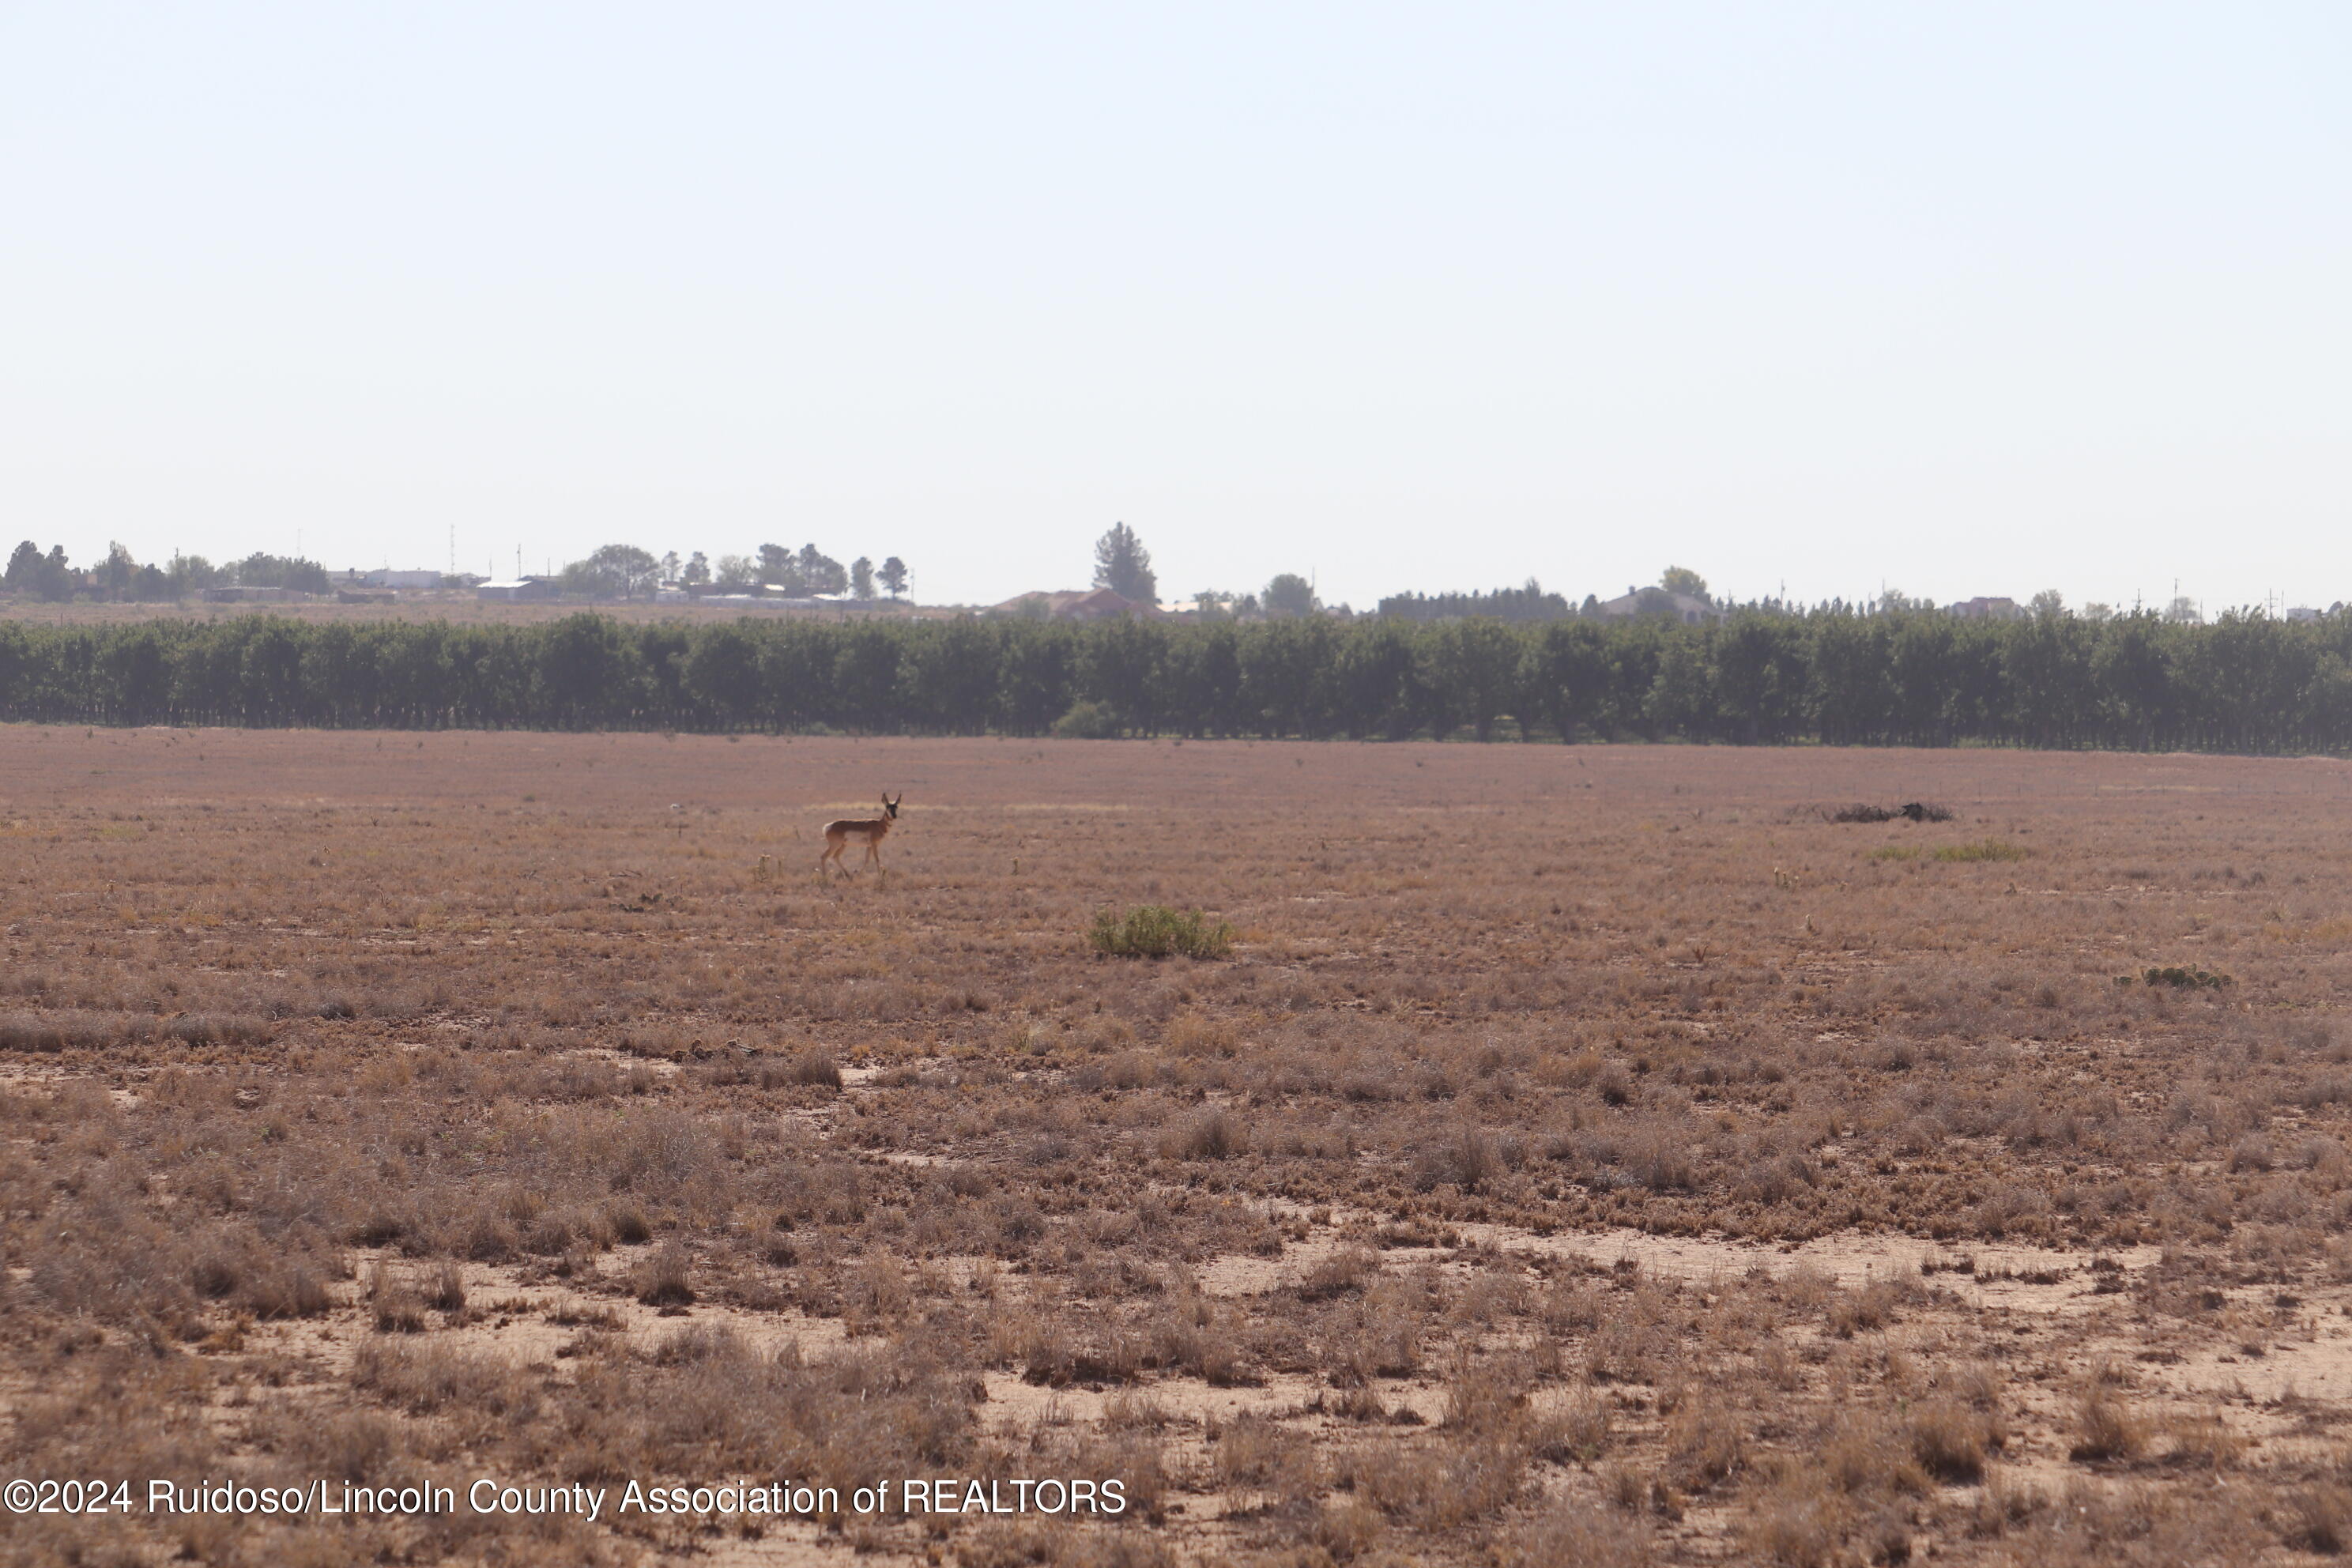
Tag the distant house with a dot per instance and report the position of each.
(1096, 605)
(1657, 602)
(2305, 613)
(519, 590)
(402, 579)
(1984, 609)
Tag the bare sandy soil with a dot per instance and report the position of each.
(1581, 1156)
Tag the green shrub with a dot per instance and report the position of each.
(1088, 721)
(1983, 849)
(1156, 931)
(2190, 975)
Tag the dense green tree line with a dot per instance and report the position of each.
(118, 576)
(2247, 683)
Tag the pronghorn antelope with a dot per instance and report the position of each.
(868, 830)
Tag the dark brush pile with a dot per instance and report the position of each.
(1911, 811)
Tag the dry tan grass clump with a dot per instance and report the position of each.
(1952, 1443)
(2106, 1429)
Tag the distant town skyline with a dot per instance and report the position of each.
(1957, 300)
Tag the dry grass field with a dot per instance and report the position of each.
(1583, 1156)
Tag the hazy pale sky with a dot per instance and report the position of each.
(1959, 299)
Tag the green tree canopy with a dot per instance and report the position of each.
(293, 574)
(1683, 580)
(819, 573)
(1840, 675)
(1124, 566)
(614, 571)
(39, 576)
(1290, 594)
(192, 574)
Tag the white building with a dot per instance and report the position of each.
(517, 590)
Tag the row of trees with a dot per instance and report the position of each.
(2247, 683)
(1527, 603)
(1123, 565)
(120, 578)
(612, 572)
(626, 572)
